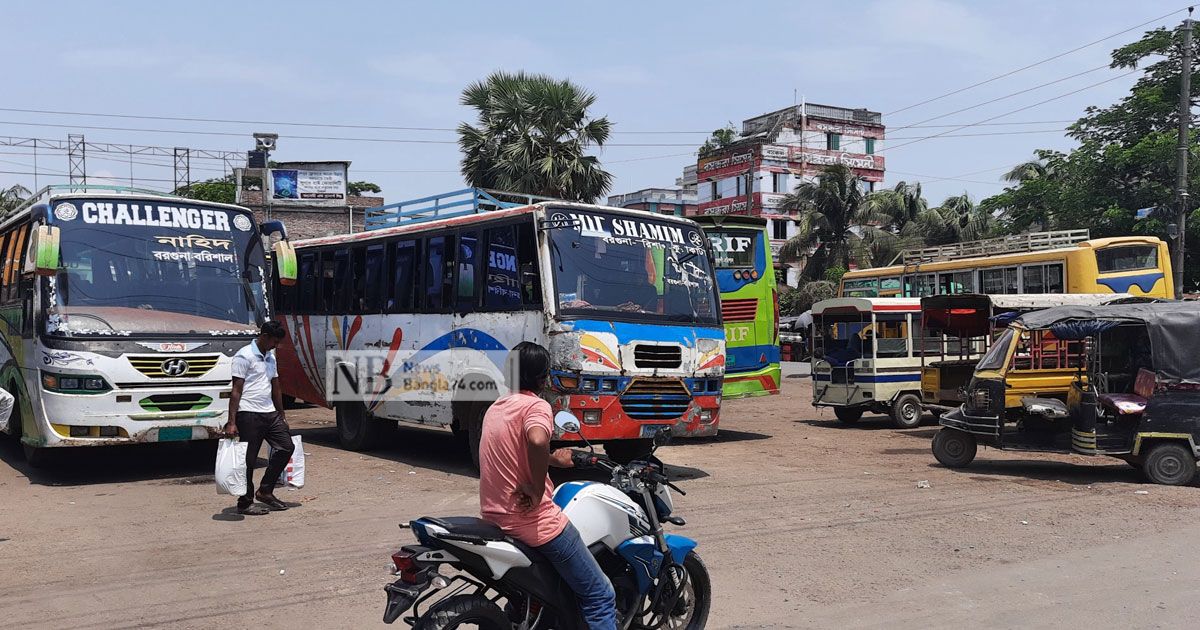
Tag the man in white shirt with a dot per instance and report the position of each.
(256, 414)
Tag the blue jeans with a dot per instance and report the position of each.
(580, 571)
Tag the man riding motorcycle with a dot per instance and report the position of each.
(516, 493)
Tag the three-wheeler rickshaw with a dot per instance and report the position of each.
(864, 358)
(957, 330)
(1135, 394)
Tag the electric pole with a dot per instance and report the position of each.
(1181, 160)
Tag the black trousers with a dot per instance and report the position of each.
(256, 428)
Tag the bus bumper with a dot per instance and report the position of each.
(762, 382)
(603, 418)
(129, 416)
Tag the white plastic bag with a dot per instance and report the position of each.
(293, 474)
(231, 467)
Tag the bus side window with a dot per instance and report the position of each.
(373, 279)
(502, 286)
(12, 287)
(527, 260)
(308, 281)
(405, 275)
(338, 283)
(357, 283)
(6, 240)
(434, 268)
(467, 295)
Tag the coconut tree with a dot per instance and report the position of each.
(531, 136)
(13, 196)
(957, 219)
(834, 223)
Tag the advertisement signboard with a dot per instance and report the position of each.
(308, 184)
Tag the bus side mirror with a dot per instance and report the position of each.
(43, 250)
(285, 262)
(273, 227)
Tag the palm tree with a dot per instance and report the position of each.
(902, 204)
(834, 222)
(531, 137)
(957, 219)
(1026, 171)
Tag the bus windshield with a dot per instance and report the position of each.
(639, 267)
(152, 274)
(734, 248)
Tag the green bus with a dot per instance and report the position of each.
(749, 303)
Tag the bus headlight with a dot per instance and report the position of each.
(74, 383)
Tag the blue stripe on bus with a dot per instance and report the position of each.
(747, 358)
(878, 378)
(471, 338)
(1144, 281)
(627, 331)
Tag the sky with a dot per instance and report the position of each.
(664, 73)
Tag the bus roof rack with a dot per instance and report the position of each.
(47, 192)
(444, 206)
(1014, 244)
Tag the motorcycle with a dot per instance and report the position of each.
(659, 579)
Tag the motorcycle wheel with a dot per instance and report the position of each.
(473, 610)
(691, 612)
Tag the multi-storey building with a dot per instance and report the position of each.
(777, 151)
(675, 201)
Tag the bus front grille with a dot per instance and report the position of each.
(177, 366)
(654, 399)
(175, 402)
(652, 357)
(740, 310)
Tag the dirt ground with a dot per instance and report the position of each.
(803, 522)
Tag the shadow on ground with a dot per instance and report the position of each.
(1043, 470)
(870, 423)
(418, 447)
(173, 462)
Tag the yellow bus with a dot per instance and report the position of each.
(1065, 261)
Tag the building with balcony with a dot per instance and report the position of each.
(777, 151)
(675, 201)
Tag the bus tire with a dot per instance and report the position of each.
(16, 417)
(357, 429)
(906, 411)
(954, 448)
(1170, 464)
(474, 432)
(34, 456)
(848, 415)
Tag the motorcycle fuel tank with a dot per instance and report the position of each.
(601, 513)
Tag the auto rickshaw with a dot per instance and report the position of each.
(956, 331)
(863, 358)
(1135, 394)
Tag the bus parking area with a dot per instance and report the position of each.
(803, 521)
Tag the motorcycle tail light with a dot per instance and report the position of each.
(406, 566)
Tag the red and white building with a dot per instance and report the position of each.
(779, 150)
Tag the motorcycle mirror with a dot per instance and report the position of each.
(566, 422)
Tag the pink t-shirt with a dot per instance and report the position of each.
(504, 465)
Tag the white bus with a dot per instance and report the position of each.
(625, 300)
(120, 310)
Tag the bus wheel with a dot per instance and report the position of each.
(954, 448)
(1170, 464)
(906, 411)
(474, 432)
(34, 456)
(848, 415)
(357, 429)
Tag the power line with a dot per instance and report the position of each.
(1034, 65)
(1019, 109)
(1001, 98)
(276, 122)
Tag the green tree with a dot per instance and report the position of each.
(531, 136)
(13, 196)
(719, 139)
(834, 222)
(219, 189)
(356, 189)
(957, 219)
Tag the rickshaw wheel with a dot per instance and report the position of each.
(848, 415)
(954, 448)
(1170, 464)
(906, 412)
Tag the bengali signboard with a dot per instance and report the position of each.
(308, 184)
